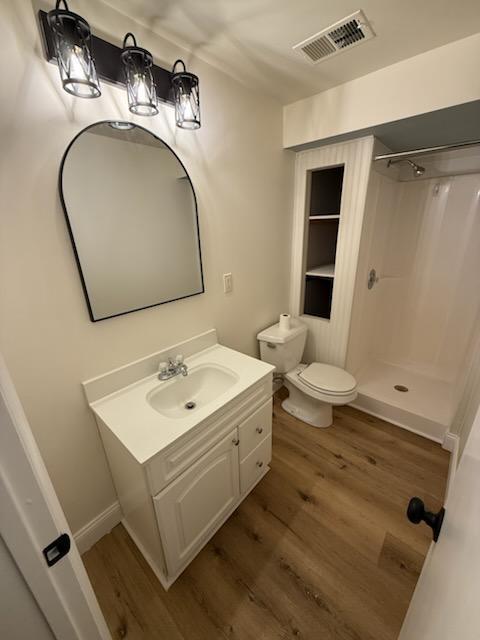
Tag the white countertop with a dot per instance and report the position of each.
(144, 431)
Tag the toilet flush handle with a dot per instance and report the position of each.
(270, 345)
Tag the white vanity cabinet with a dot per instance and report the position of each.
(174, 503)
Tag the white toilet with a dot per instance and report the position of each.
(313, 388)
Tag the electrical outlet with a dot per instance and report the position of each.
(227, 283)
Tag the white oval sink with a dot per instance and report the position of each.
(183, 395)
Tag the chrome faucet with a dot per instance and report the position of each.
(174, 367)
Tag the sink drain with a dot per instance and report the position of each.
(190, 405)
(401, 387)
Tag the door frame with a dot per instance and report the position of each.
(31, 519)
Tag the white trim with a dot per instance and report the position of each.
(451, 442)
(396, 423)
(98, 527)
(31, 519)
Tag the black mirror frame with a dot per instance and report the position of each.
(72, 238)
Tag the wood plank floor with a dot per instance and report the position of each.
(321, 549)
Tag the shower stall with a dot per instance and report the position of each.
(417, 291)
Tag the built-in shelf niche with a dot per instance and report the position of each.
(324, 197)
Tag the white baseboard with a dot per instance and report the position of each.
(451, 442)
(102, 524)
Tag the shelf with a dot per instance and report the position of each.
(323, 271)
(318, 297)
(324, 201)
(325, 190)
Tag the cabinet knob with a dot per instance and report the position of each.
(259, 464)
(259, 429)
(236, 441)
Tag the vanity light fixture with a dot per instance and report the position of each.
(141, 89)
(69, 43)
(186, 97)
(71, 40)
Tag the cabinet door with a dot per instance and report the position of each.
(192, 507)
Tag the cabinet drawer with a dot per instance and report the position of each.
(255, 429)
(253, 467)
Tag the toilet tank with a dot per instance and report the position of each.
(283, 348)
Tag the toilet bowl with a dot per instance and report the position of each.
(313, 388)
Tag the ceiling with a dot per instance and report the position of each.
(252, 39)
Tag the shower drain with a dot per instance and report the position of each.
(190, 405)
(401, 387)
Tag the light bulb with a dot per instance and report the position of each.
(187, 108)
(141, 90)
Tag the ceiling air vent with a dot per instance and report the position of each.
(342, 35)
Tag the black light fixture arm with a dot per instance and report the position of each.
(179, 61)
(127, 36)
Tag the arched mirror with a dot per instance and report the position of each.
(132, 216)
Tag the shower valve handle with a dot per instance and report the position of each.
(373, 278)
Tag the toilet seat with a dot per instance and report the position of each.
(333, 385)
(328, 379)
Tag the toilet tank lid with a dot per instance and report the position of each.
(279, 336)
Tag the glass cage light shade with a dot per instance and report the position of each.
(186, 97)
(72, 38)
(141, 89)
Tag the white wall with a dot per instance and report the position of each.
(327, 339)
(242, 179)
(436, 79)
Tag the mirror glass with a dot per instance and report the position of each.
(132, 216)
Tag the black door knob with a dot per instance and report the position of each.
(416, 513)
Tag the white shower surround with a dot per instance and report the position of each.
(417, 325)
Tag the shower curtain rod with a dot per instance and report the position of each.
(426, 150)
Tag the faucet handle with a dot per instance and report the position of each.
(162, 367)
(179, 359)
